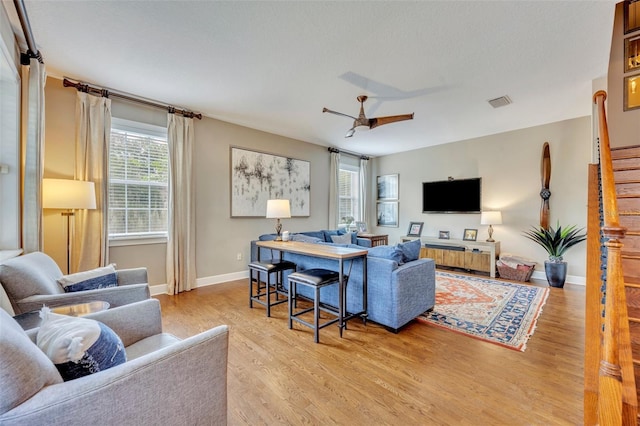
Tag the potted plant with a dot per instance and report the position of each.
(556, 242)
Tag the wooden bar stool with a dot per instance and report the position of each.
(268, 267)
(315, 278)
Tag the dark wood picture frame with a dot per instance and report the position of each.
(631, 92)
(632, 53)
(415, 229)
(631, 16)
(443, 235)
(470, 234)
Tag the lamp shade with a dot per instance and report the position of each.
(278, 209)
(491, 218)
(68, 194)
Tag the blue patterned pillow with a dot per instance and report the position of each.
(410, 250)
(78, 346)
(387, 252)
(90, 280)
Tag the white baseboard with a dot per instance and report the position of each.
(219, 279)
(205, 281)
(571, 279)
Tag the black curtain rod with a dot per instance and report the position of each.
(32, 51)
(362, 157)
(82, 87)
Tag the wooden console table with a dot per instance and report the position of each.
(376, 240)
(341, 254)
(476, 256)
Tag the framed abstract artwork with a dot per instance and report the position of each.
(387, 213)
(388, 187)
(257, 177)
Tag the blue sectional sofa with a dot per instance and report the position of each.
(399, 285)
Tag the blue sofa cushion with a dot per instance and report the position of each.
(328, 234)
(410, 250)
(314, 234)
(267, 237)
(387, 252)
(303, 237)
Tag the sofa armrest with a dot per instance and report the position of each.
(132, 276)
(132, 322)
(122, 394)
(116, 296)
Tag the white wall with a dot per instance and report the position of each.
(509, 165)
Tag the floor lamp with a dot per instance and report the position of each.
(68, 194)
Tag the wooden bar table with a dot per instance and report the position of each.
(328, 252)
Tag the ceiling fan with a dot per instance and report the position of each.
(372, 123)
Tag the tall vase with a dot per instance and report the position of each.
(556, 273)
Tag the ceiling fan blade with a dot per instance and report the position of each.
(350, 132)
(379, 121)
(338, 113)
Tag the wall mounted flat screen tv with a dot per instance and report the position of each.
(452, 196)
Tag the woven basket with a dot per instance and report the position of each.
(522, 273)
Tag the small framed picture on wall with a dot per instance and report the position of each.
(443, 235)
(632, 92)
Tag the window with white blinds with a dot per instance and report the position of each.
(348, 194)
(138, 180)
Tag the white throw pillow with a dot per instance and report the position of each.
(78, 346)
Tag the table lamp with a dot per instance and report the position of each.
(68, 194)
(491, 218)
(278, 209)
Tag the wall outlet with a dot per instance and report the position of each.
(239, 256)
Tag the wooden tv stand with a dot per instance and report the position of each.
(461, 253)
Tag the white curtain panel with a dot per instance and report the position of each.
(334, 194)
(33, 160)
(89, 247)
(364, 188)
(181, 243)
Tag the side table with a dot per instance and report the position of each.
(376, 240)
(29, 320)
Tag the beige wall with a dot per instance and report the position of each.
(624, 126)
(219, 237)
(509, 165)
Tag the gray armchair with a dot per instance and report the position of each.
(165, 381)
(30, 281)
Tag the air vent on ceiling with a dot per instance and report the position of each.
(499, 102)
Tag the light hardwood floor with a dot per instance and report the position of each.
(420, 376)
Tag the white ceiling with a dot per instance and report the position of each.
(273, 65)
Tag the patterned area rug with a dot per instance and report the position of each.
(499, 312)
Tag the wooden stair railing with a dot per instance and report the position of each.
(608, 358)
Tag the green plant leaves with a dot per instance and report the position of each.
(556, 241)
